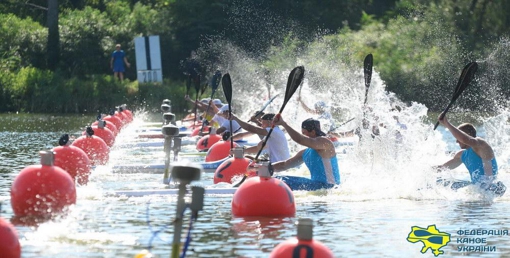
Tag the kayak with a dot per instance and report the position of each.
(209, 167)
(139, 193)
(496, 188)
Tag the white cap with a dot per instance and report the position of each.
(217, 102)
(224, 108)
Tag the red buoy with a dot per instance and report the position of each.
(95, 147)
(302, 246)
(232, 167)
(9, 242)
(103, 133)
(218, 151)
(73, 160)
(263, 196)
(115, 120)
(207, 141)
(128, 114)
(110, 126)
(122, 117)
(42, 190)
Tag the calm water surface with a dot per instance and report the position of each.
(365, 217)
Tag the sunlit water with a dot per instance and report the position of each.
(369, 215)
(387, 187)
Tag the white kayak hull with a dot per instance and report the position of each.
(140, 193)
(209, 167)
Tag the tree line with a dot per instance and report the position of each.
(60, 49)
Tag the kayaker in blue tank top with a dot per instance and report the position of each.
(319, 157)
(476, 154)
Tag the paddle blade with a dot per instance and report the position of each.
(226, 83)
(204, 87)
(188, 84)
(215, 80)
(367, 71)
(196, 81)
(467, 75)
(266, 104)
(295, 79)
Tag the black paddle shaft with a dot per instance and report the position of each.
(215, 82)
(295, 79)
(466, 77)
(226, 84)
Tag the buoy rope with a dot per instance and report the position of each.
(194, 216)
(164, 227)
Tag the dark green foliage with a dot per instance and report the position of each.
(418, 45)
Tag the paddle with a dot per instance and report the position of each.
(197, 89)
(367, 70)
(336, 127)
(188, 84)
(215, 82)
(266, 104)
(226, 84)
(204, 87)
(465, 78)
(261, 110)
(295, 79)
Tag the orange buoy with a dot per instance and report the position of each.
(122, 117)
(42, 190)
(302, 246)
(95, 147)
(9, 242)
(73, 160)
(109, 125)
(144, 254)
(128, 114)
(232, 167)
(115, 120)
(104, 133)
(207, 141)
(263, 196)
(218, 150)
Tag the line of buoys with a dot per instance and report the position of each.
(42, 190)
(303, 245)
(95, 147)
(232, 167)
(73, 160)
(219, 150)
(263, 196)
(9, 242)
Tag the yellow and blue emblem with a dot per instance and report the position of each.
(430, 238)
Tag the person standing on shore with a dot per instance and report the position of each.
(117, 62)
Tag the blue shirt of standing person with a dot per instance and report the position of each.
(117, 62)
(320, 157)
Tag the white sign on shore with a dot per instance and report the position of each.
(148, 59)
